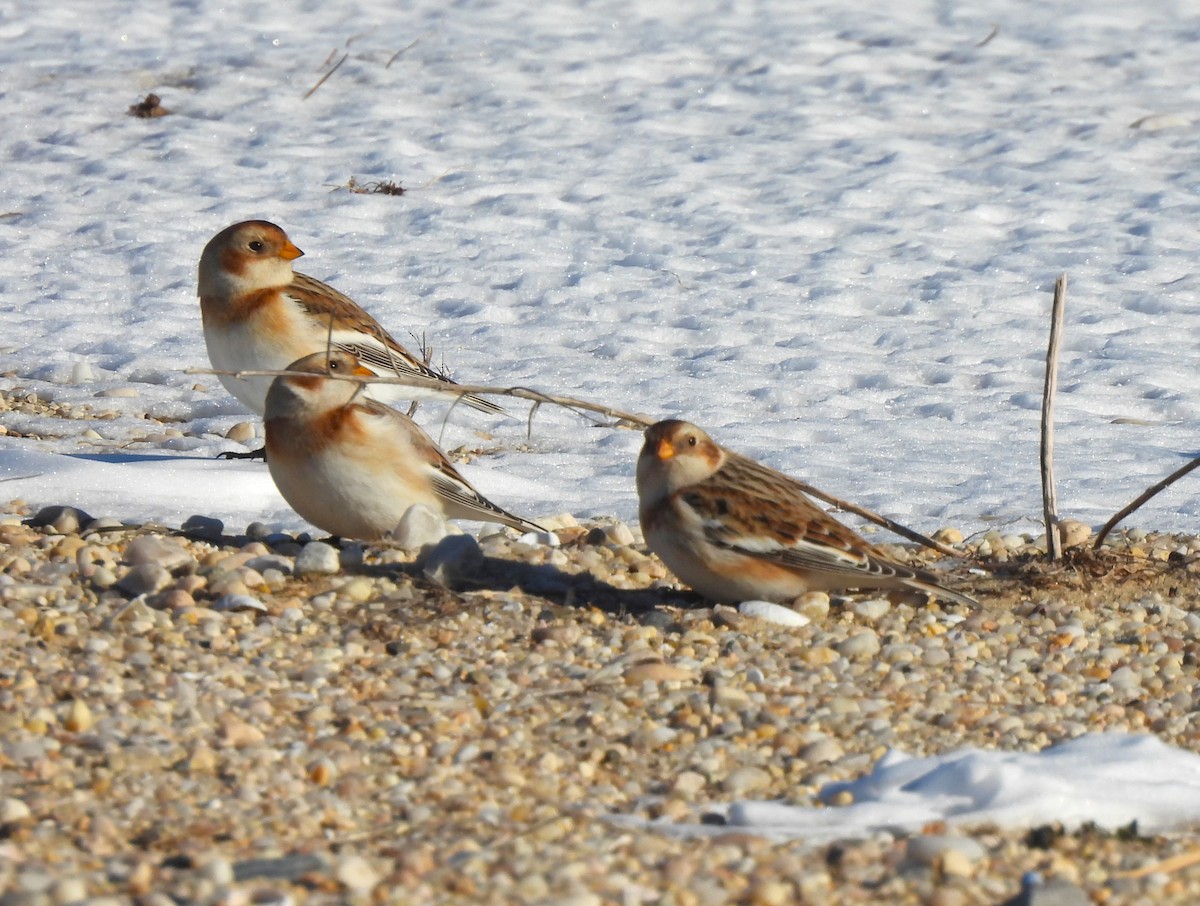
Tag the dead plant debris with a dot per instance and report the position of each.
(149, 108)
(381, 187)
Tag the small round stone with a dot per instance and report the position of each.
(317, 558)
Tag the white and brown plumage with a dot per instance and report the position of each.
(261, 315)
(735, 530)
(351, 465)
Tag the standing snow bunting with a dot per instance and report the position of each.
(260, 315)
(351, 465)
(735, 530)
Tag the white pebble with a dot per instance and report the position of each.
(620, 533)
(241, 432)
(356, 874)
(453, 558)
(227, 603)
(545, 539)
(773, 613)
(746, 780)
(317, 557)
(872, 609)
(925, 849)
(862, 644)
(13, 810)
(419, 526)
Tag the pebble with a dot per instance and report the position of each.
(1054, 892)
(928, 849)
(13, 810)
(451, 560)
(822, 751)
(814, 605)
(276, 754)
(418, 527)
(317, 558)
(282, 565)
(282, 868)
(65, 891)
(79, 717)
(619, 534)
(746, 780)
(65, 520)
(864, 643)
(242, 432)
(102, 577)
(772, 613)
(227, 603)
(356, 874)
(144, 579)
(149, 550)
(205, 527)
(1073, 533)
(872, 610)
(656, 672)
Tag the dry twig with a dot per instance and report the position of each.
(394, 57)
(149, 108)
(990, 36)
(1049, 501)
(619, 419)
(1165, 866)
(1142, 498)
(323, 78)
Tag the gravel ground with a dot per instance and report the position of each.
(201, 716)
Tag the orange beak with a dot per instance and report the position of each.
(664, 451)
(364, 372)
(289, 252)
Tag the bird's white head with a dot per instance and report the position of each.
(244, 258)
(310, 390)
(676, 454)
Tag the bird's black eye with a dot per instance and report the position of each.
(692, 440)
(257, 245)
(333, 365)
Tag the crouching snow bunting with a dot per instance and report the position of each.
(735, 530)
(352, 466)
(260, 315)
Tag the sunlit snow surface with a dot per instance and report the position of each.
(1109, 779)
(824, 232)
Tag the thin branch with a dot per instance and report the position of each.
(539, 398)
(992, 34)
(1177, 862)
(451, 389)
(1142, 498)
(336, 67)
(1049, 499)
(396, 55)
(878, 520)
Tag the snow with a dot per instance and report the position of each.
(826, 233)
(1108, 779)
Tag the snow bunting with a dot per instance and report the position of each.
(351, 465)
(260, 315)
(735, 530)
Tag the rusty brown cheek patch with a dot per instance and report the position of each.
(338, 427)
(258, 306)
(233, 261)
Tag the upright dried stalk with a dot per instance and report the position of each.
(1049, 499)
